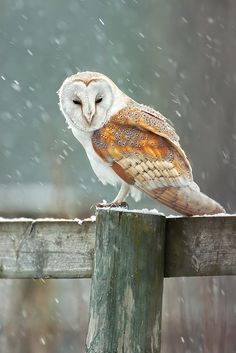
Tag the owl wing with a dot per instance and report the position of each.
(143, 149)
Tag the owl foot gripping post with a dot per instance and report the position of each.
(131, 145)
(112, 205)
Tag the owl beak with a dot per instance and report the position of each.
(89, 117)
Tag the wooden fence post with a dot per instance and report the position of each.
(127, 284)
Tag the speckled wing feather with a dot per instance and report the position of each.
(146, 147)
(143, 149)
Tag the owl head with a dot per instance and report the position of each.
(88, 99)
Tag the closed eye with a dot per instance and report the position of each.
(98, 100)
(77, 101)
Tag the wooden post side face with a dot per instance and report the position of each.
(200, 246)
(126, 293)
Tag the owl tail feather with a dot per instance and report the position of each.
(187, 200)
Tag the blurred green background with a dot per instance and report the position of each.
(178, 57)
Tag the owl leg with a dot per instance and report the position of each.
(119, 200)
(123, 192)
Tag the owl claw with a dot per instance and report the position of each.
(112, 205)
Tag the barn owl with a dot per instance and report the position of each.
(131, 145)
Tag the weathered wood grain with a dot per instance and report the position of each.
(46, 249)
(195, 246)
(127, 283)
(200, 246)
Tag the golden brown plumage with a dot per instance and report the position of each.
(143, 149)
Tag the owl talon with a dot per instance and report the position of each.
(112, 205)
